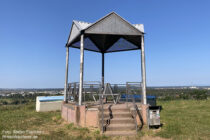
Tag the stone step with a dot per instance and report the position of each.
(121, 127)
(120, 133)
(120, 110)
(119, 106)
(105, 115)
(122, 120)
(114, 113)
(121, 114)
(115, 109)
(105, 110)
(106, 120)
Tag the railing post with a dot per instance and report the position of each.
(135, 112)
(102, 112)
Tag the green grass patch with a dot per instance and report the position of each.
(182, 119)
(53, 127)
(185, 119)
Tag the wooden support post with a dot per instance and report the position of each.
(143, 71)
(81, 68)
(66, 76)
(102, 76)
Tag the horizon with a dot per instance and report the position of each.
(33, 39)
(205, 86)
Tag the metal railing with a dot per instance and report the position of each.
(135, 112)
(104, 122)
(90, 88)
(132, 89)
(102, 112)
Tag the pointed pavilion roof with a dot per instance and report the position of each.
(111, 33)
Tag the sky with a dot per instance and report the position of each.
(33, 34)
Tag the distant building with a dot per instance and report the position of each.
(31, 92)
(193, 87)
(13, 93)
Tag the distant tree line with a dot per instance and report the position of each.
(174, 94)
(161, 94)
(15, 99)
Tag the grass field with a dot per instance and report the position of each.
(182, 119)
(185, 119)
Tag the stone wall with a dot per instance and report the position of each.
(80, 115)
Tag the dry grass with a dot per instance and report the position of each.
(182, 119)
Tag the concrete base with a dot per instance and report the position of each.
(80, 115)
(90, 116)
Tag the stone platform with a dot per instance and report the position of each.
(118, 118)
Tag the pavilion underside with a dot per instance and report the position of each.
(104, 43)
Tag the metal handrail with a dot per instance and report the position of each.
(135, 112)
(102, 112)
(103, 127)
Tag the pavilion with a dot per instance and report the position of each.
(109, 34)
